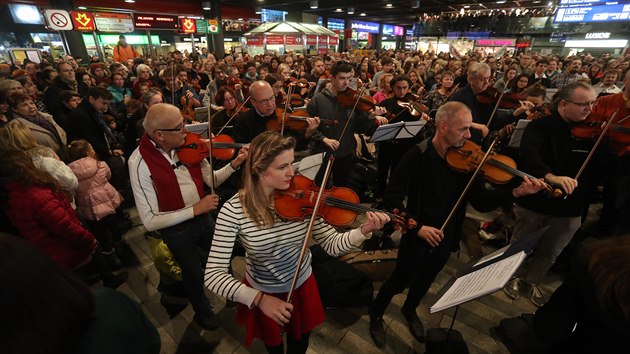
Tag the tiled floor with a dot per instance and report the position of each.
(345, 330)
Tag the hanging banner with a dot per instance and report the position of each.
(275, 39)
(311, 39)
(291, 39)
(256, 41)
(113, 22)
(58, 20)
(187, 25)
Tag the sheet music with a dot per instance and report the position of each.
(492, 255)
(517, 136)
(386, 132)
(198, 128)
(411, 129)
(479, 283)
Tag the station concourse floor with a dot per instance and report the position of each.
(344, 331)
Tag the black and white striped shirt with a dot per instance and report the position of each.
(271, 253)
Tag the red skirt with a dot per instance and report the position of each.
(307, 314)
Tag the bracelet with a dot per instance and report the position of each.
(257, 299)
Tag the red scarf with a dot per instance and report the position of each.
(163, 175)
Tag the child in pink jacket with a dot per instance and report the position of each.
(96, 199)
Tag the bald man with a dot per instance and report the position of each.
(253, 122)
(171, 199)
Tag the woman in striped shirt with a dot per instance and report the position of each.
(272, 249)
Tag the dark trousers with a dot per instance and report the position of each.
(293, 346)
(416, 268)
(190, 243)
(106, 231)
(389, 154)
(342, 166)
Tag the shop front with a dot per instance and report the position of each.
(391, 37)
(281, 37)
(596, 43)
(493, 45)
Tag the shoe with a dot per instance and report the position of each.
(536, 296)
(513, 288)
(116, 280)
(207, 319)
(377, 332)
(413, 323)
(113, 262)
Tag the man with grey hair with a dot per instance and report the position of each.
(171, 200)
(431, 188)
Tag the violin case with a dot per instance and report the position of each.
(378, 264)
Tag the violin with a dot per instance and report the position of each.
(591, 128)
(195, 148)
(294, 101)
(188, 112)
(498, 169)
(349, 98)
(294, 120)
(538, 112)
(340, 205)
(506, 100)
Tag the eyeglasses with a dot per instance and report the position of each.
(181, 127)
(583, 104)
(269, 100)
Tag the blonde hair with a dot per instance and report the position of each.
(262, 151)
(15, 135)
(381, 83)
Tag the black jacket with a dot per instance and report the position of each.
(85, 123)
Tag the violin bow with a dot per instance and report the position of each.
(212, 180)
(607, 125)
(234, 115)
(494, 110)
(286, 106)
(470, 182)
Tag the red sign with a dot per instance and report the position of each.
(322, 40)
(82, 21)
(322, 51)
(293, 39)
(187, 25)
(256, 41)
(333, 40)
(275, 39)
(311, 39)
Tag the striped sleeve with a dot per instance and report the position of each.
(335, 243)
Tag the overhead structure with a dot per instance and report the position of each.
(282, 37)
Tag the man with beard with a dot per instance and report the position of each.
(571, 74)
(176, 88)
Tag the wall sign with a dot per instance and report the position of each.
(187, 25)
(311, 39)
(293, 39)
(597, 13)
(113, 22)
(597, 35)
(150, 21)
(275, 39)
(361, 26)
(58, 20)
(496, 42)
(82, 21)
(256, 41)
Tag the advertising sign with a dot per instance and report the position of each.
(333, 40)
(275, 39)
(82, 21)
(361, 26)
(311, 39)
(291, 39)
(113, 22)
(150, 21)
(256, 41)
(322, 41)
(213, 26)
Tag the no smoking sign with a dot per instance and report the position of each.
(58, 20)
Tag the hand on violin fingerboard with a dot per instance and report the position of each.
(375, 221)
(240, 158)
(567, 184)
(528, 187)
(313, 123)
(431, 235)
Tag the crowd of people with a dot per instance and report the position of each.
(80, 143)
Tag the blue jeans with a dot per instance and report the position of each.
(190, 243)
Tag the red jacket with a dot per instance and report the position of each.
(47, 220)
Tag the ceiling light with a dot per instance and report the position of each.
(549, 3)
(314, 4)
(82, 8)
(206, 5)
(130, 1)
(466, 6)
(415, 4)
(338, 10)
(501, 2)
(258, 10)
(351, 11)
(389, 5)
(362, 14)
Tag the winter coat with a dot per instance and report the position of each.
(46, 219)
(95, 197)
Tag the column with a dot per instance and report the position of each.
(215, 40)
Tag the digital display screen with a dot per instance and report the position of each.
(598, 13)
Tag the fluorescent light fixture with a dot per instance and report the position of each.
(415, 4)
(314, 4)
(389, 5)
(82, 8)
(206, 5)
(599, 43)
(362, 14)
(351, 11)
(130, 1)
(338, 10)
(258, 10)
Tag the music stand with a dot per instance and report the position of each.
(398, 130)
(198, 128)
(517, 136)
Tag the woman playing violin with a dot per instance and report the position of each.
(272, 249)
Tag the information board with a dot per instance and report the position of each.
(113, 22)
(598, 13)
(150, 21)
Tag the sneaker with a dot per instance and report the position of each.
(413, 323)
(513, 288)
(207, 319)
(377, 331)
(536, 296)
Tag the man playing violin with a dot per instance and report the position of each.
(431, 189)
(175, 87)
(325, 104)
(390, 152)
(250, 124)
(479, 76)
(548, 150)
(171, 199)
